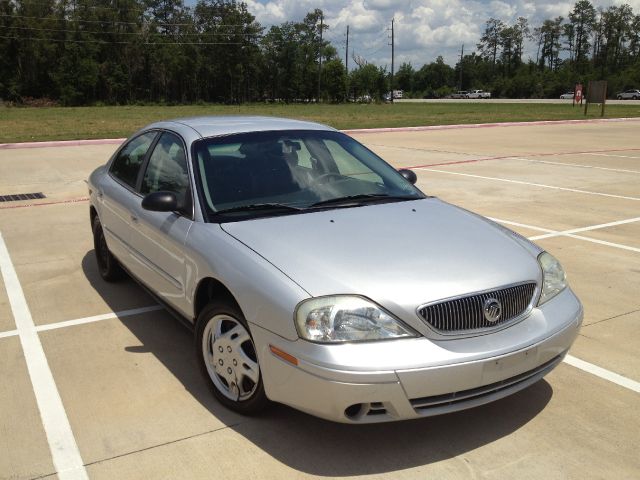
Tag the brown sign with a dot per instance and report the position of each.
(596, 93)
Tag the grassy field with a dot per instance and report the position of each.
(57, 123)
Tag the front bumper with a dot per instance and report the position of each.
(413, 378)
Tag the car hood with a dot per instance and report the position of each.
(401, 254)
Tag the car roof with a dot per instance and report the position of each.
(209, 126)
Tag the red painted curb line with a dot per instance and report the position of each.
(507, 157)
(117, 141)
(59, 202)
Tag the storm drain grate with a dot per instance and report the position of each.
(16, 197)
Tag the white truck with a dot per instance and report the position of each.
(478, 94)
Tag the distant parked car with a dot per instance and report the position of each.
(567, 96)
(460, 94)
(478, 94)
(633, 94)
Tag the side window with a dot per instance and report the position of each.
(167, 168)
(127, 164)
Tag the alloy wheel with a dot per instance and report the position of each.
(230, 358)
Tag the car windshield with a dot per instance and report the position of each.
(284, 172)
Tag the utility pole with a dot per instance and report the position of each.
(461, 57)
(320, 55)
(346, 62)
(392, 56)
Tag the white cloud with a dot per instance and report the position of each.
(424, 28)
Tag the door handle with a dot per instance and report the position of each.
(134, 219)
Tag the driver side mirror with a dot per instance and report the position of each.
(160, 202)
(409, 175)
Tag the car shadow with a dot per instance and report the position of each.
(309, 444)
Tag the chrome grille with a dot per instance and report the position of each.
(466, 314)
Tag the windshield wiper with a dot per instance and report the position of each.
(259, 206)
(352, 199)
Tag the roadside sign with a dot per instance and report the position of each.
(596, 93)
(577, 98)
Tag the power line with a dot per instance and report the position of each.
(117, 42)
(111, 32)
(113, 22)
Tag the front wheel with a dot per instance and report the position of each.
(227, 357)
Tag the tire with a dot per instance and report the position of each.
(636, 97)
(226, 356)
(108, 267)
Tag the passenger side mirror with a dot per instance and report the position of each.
(409, 175)
(160, 202)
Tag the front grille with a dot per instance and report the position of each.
(467, 315)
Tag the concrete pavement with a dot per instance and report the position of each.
(136, 404)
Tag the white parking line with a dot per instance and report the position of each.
(84, 320)
(97, 318)
(603, 373)
(520, 182)
(62, 444)
(9, 333)
(608, 155)
(556, 233)
(586, 229)
(565, 164)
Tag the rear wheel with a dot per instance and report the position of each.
(227, 358)
(108, 267)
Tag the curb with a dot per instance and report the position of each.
(118, 141)
(62, 143)
(488, 125)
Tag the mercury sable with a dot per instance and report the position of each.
(316, 275)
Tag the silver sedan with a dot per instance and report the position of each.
(316, 275)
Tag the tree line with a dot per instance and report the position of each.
(588, 44)
(79, 52)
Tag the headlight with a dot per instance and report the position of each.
(343, 318)
(553, 277)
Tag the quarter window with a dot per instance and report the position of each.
(127, 164)
(167, 169)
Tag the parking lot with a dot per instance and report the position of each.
(99, 382)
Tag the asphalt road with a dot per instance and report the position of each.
(507, 100)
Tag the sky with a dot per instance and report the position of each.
(424, 29)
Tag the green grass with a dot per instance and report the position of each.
(58, 123)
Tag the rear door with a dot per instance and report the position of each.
(158, 238)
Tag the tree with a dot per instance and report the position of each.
(334, 80)
(550, 35)
(490, 40)
(522, 32)
(369, 80)
(433, 77)
(404, 77)
(582, 17)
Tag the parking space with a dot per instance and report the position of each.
(137, 407)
